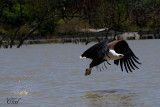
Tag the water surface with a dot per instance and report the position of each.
(52, 75)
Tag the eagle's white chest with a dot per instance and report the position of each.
(113, 55)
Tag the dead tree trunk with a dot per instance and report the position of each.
(32, 30)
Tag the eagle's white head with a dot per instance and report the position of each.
(113, 55)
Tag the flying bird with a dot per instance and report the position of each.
(119, 51)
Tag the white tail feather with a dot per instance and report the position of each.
(82, 57)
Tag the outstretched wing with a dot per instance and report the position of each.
(129, 59)
(97, 51)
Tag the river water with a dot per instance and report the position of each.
(52, 75)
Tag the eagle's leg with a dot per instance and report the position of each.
(88, 71)
(92, 64)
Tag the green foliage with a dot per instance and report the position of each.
(73, 25)
(48, 27)
(15, 17)
(129, 15)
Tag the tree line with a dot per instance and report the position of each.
(20, 19)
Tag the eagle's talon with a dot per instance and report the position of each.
(87, 72)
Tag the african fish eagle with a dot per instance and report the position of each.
(119, 51)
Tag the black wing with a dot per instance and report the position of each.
(129, 59)
(97, 51)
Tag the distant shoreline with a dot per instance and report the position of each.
(68, 40)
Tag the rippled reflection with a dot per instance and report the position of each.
(112, 98)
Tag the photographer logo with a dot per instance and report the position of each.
(13, 100)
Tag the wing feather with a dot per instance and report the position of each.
(131, 64)
(125, 66)
(128, 66)
(121, 64)
(97, 51)
(129, 59)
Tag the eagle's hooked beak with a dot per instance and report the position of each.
(121, 56)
